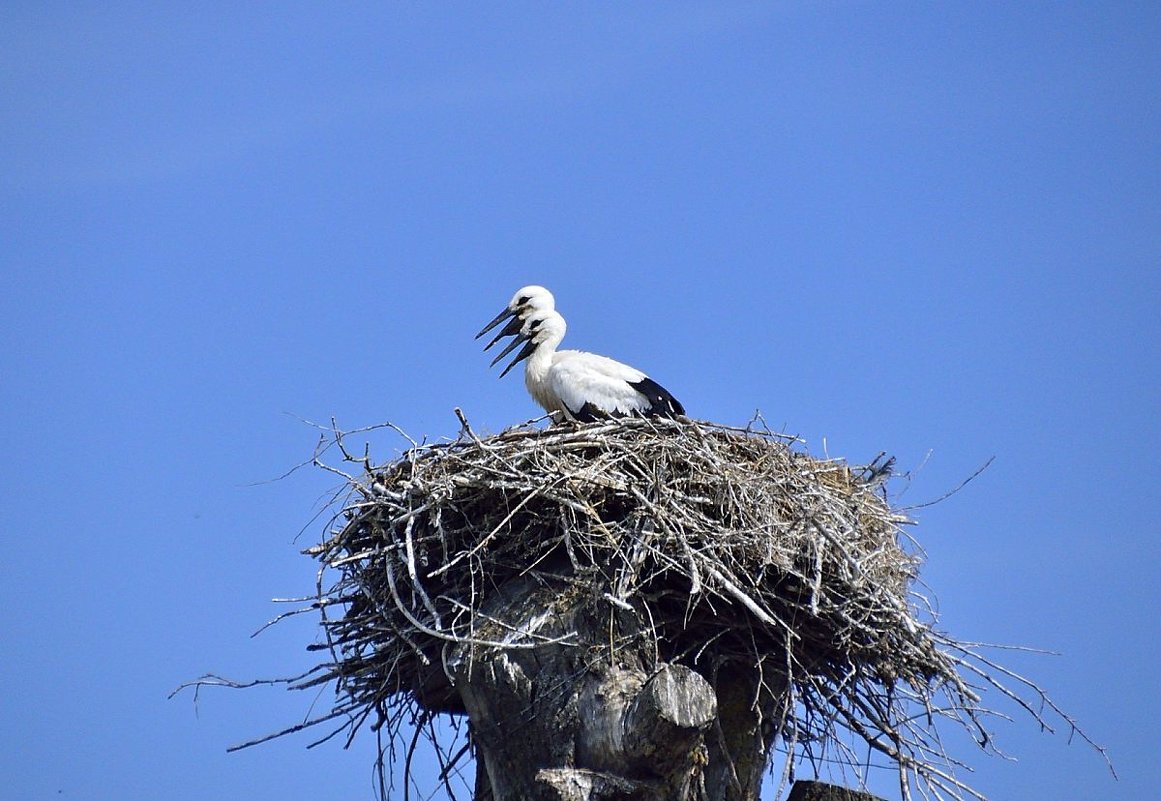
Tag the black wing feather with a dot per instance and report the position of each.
(661, 402)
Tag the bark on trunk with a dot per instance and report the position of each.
(818, 791)
(598, 717)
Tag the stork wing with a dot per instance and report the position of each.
(587, 384)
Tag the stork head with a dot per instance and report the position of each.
(543, 327)
(526, 301)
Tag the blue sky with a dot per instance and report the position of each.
(932, 229)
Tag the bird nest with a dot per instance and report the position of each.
(732, 543)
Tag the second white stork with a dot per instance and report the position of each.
(575, 385)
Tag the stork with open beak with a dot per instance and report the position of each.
(575, 385)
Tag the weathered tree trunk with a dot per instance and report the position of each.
(817, 791)
(748, 704)
(591, 713)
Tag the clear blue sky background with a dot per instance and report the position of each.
(932, 229)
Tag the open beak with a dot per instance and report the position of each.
(504, 315)
(513, 327)
(511, 346)
(529, 347)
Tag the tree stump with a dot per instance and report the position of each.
(819, 791)
(574, 719)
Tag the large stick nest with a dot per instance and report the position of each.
(732, 544)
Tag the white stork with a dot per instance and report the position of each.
(574, 385)
(528, 299)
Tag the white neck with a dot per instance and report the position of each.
(536, 371)
(541, 358)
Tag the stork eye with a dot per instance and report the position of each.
(523, 300)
